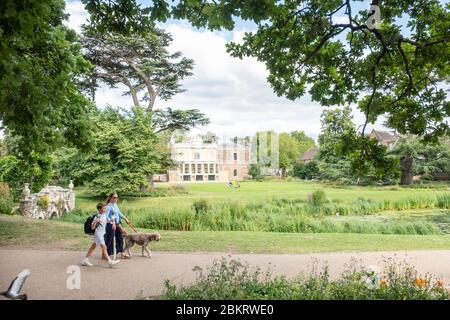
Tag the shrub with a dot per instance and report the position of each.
(43, 202)
(200, 206)
(6, 205)
(254, 170)
(77, 215)
(233, 280)
(5, 191)
(318, 198)
(6, 200)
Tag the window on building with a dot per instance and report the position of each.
(205, 168)
(235, 173)
(196, 156)
(235, 156)
(199, 177)
(199, 168)
(186, 168)
(181, 168)
(193, 168)
(211, 168)
(186, 178)
(211, 177)
(217, 168)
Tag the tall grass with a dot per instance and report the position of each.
(286, 215)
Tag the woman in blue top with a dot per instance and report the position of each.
(113, 228)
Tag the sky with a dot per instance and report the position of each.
(232, 93)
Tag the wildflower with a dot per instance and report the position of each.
(420, 282)
(439, 284)
(383, 282)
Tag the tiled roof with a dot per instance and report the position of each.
(310, 154)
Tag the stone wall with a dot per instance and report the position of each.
(52, 201)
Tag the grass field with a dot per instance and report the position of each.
(260, 206)
(251, 191)
(18, 231)
(281, 206)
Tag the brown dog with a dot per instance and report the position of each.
(142, 239)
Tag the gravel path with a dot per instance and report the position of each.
(143, 275)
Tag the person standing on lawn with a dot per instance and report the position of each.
(114, 226)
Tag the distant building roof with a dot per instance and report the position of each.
(384, 137)
(310, 154)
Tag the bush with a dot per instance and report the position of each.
(6, 205)
(306, 171)
(200, 206)
(77, 215)
(255, 171)
(232, 280)
(318, 198)
(6, 200)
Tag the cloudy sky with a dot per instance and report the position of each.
(233, 93)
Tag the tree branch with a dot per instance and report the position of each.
(147, 81)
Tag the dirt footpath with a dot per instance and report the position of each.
(146, 276)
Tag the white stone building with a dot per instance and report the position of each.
(198, 161)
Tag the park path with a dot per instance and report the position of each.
(48, 269)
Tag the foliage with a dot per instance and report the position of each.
(41, 103)
(172, 120)
(427, 158)
(142, 62)
(304, 142)
(43, 202)
(139, 62)
(398, 281)
(348, 157)
(254, 171)
(294, 215)
(37, 171)
(6, 200)
(125, 152)
(200, 206)
(307, 170)
(394, 68)
(318, 198)
(289, 151)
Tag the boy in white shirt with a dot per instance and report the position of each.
(99, 225)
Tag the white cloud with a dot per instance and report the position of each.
(340, 19)
(78, 15)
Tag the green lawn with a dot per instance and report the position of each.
(252, 191)
(26, 232)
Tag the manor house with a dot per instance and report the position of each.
(199, 161)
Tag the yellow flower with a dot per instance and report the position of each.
(383, 282)
(421, 282)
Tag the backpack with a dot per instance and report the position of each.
(88, 225)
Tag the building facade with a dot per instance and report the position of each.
(198, 161)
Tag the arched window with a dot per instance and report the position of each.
(235, 172)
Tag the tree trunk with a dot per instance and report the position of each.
(406, 164)
(151, 182)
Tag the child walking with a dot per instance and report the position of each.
(99, 225)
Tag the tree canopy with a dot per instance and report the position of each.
(344, 155)
(140, 62)
(417, 158)
(125, 153)
(396, 67)
(41, 67)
